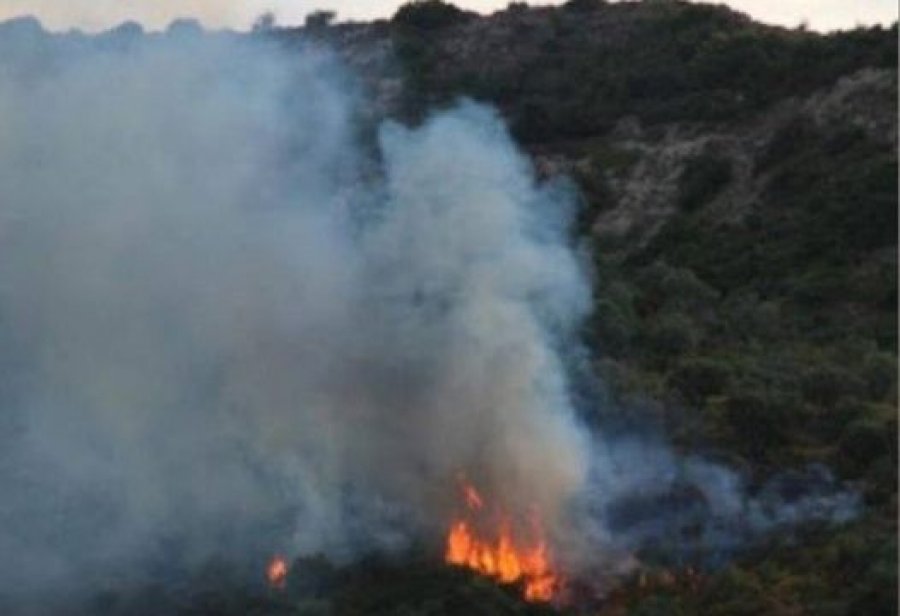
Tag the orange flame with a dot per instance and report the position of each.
(276, 572)
(501, 555)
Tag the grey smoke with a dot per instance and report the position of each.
(684, 510)
(218, 313)
(226, 327)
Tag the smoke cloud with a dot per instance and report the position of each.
(218, 312)
(237, 318)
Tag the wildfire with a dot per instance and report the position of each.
(500, 553)
(276, 572)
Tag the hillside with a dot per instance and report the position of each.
(737, 188)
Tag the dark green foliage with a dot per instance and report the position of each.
(423, 588)
(614, 322)
(863, 442)
(412, 586)
(850, 571)
(581, 68)
(670, 335)
(787, 141)
(583, 5)
(415, 24)
(429, 15)
(703, 178)
(699, 378)
(319, 20)
(778, 331)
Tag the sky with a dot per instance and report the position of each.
(95, 15)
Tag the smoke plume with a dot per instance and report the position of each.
(218, 311)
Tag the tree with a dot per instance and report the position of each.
(430, 14)
(319, 20)
(264, 22)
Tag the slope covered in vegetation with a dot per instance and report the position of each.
(739, 188)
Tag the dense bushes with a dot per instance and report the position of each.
(429, 15)
(702, 179)
(583, 5)
(777, 331)
(581, 68)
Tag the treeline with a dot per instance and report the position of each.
(573, 72)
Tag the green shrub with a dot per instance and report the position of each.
(430, 15)
(697, 378)
(583, 5)
(863, 442)
(702, 179)
(670, 335)
(319, 20)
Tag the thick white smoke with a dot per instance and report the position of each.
(217, 312)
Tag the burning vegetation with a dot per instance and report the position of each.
(485, 539)
(276, 572)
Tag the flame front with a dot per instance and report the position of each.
(500, 554)
(276, 572)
